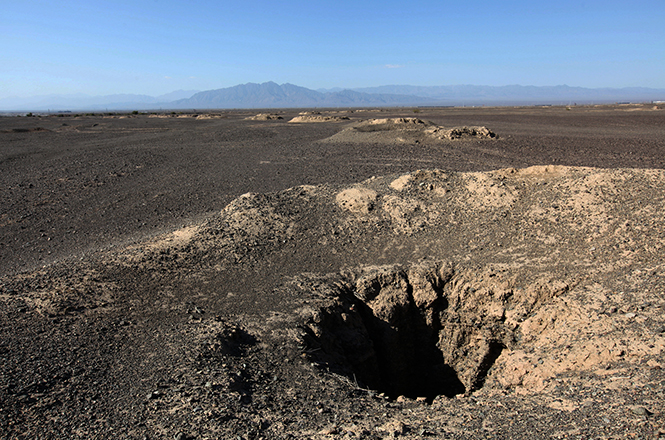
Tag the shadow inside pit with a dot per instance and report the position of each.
(495, 350)
(409, 362)
(398, 359)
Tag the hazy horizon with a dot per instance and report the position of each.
(122, 47)
(322, 89)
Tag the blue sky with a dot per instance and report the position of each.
(154, 47)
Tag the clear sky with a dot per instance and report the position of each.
(157, 46)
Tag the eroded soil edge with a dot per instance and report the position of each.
(291, 313)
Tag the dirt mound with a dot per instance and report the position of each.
(210, 116)
(543, 261)
(533, 297)
(264, 117)
(406, 130)
(318, 118)
(393, 123)
(461, 132)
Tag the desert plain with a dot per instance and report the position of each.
(362, 273)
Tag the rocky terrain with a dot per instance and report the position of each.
(505, 286)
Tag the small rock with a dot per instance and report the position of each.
(640, 411)
(394, 428)
(153, 395)
(630, 315)
(329, 431)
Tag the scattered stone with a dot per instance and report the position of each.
(640, 411)
(394, 428)
(331, 430)
(154, 395)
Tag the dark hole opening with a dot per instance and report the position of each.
(408, 362)
(397, 359)
(411, 333)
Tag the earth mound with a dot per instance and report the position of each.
(461, 132)
(433, 303)
(407, 130)
(210, 116)
(318, 118)
(264, 117)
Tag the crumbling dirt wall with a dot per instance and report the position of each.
(420, 331)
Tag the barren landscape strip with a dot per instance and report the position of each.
(74, 184)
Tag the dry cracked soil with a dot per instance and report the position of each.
(428, 273)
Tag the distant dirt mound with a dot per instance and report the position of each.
(461, 133)
(210, 116)
(318, 118)
(407, 130)
(264, 117)
(397, 122)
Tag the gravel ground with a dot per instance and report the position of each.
(143, 298)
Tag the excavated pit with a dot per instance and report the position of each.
(420, 332)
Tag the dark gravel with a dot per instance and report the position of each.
(72, 185)
(159, 342)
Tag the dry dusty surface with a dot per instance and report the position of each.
(167, 278)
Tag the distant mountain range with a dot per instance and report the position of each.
(272, 95)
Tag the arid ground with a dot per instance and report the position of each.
(427, 273)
